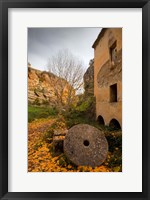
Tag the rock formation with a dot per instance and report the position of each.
(44, 87)
(88, 96)
(89, 79)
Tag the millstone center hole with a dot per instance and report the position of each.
(86, 143)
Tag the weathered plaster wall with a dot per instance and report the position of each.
(106, 74)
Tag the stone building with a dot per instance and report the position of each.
(108, 76)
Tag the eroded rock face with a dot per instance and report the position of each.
(44, 87)
(40, 88)
(85, 145)
(89, 79)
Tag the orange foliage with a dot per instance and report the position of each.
(40, 158)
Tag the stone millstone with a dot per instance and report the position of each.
(85, 145)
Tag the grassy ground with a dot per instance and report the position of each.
(42, 158)
(37, 112)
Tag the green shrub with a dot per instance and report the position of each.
(85, 104)
(114, 159)
(114, 140)
(74, 117)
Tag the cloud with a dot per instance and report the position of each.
(45, 42)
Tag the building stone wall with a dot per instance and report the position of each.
(108, 74)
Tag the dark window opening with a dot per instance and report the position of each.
(100, 120)
(113, 53)
(113, 93)
(114, 124)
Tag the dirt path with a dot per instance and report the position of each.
(36, 128)
(38, 152)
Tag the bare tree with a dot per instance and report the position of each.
(69, 77)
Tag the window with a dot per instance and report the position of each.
(113, 93)
(113, 53)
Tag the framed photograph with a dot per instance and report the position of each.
(74, 99)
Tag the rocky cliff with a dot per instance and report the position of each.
(44, 87)
(39, 87)
(87, 100)
(89, 79)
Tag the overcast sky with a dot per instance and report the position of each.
(45, 42)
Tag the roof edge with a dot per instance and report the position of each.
(99, 37)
